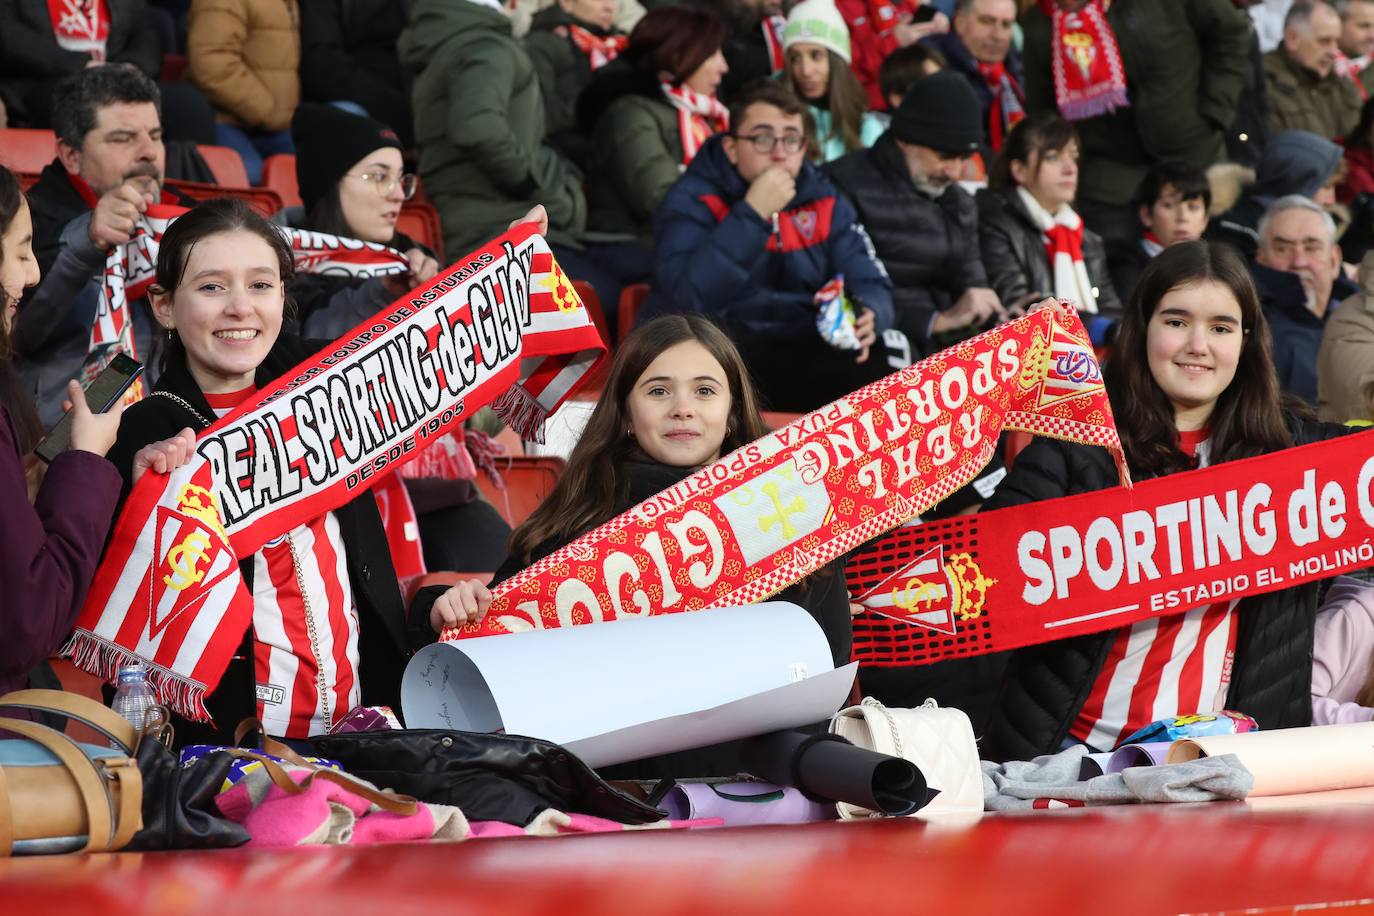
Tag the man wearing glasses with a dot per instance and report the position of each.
(750, 233)
(925, 226)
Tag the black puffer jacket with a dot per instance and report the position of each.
(1045, 686)
(348, 52)
(1013, 249)
(929, 247)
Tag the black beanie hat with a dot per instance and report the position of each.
(940, 112)
(330, 141)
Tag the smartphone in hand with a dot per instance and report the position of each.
(101, 394)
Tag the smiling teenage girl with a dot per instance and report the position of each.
(328, 629)
(1192, 384)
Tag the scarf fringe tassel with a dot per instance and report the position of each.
(1105, 103)
(103, 659)
(522, 413)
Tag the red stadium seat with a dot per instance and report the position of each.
(591, 387)
(263, 200)
(631, 298)
(279, 174)
(26, 150)
(225, 165)
(420, 221)
(528, 478)
(777, 419)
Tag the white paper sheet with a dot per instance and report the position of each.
(637, 687)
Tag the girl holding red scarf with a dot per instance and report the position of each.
(1031, 238)
(329, 631)
(567, 43)
(1192, 384)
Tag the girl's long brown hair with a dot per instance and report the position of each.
(12, 392)
(595, 482)
(1248, 418)
(846, 100)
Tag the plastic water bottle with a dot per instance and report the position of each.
(134, 697)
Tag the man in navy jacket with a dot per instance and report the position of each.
(750, 233)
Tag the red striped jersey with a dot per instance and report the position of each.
(305, 623)
(1162, 667)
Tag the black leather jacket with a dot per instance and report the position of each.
(1014, 253)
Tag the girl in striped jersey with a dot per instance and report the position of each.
(1192, 383)
(329, 631)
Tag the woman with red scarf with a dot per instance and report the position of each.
(648, 114)
(1031, 238)
(568, 42)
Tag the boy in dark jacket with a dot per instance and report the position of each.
(750, 234)
(1173, 203)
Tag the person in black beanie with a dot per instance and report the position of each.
(924, 225)
(352, 183)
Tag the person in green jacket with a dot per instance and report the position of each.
(480, 122)
(567, 43)
(1184, 65)
(648, 114)
(1306, 92)
(816, 43)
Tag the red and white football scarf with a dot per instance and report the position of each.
(772, 27)
(599, 49)
(82, 26)
(769, 514)
(1151, 244)
(698, 118)
(1063, 234)
(1351, 67)
(503, 326)
(1099, 561)
(1008, 104)
(132, 267)
(1089, 78)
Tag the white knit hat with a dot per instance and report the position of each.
(817, 22)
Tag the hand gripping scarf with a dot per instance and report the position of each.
(698, 117)
(1089, 78)
(1098, 561)
(770, 513)
(131, 268)
(502, 326)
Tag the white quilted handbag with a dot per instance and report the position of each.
(939, 741)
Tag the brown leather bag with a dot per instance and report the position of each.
(57, 795)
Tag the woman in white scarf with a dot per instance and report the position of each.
(1032, 241)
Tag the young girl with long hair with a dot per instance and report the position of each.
(329, 631)
(678, 396)
(816, 43)
(1192, 384)
(1032, 240)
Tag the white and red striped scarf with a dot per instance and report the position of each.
(82, 26)
(1089, 78)
(502, 326)
(1351, 67)
(1063, 234)
(772, 27)
(698, 117)
(305, 621)
(599, 49)
(131, 268)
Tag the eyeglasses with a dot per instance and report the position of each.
(764, 142)
(385, 182)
